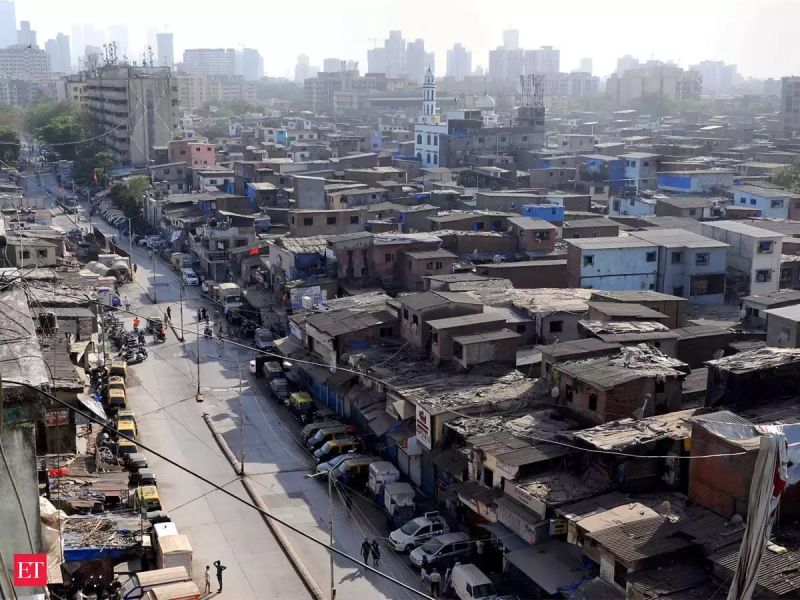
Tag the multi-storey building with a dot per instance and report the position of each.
(165, 49)
(192, 90)
(135, 107)
(459, 62)
(790, 105)
(666, 80)
(58, 51)
(25, 63)
(544, 60)
(209, 61)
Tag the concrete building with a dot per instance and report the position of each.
(416, 310)
(690, 207)
(138, 107)
(672, 82)
(718, 77)
(209, 61)
(612, 264)
(192, 153)
(252, 64)
(192, 90)
(418, 61)
(790, 106)
(641, 170)
(771, 201)
(8, 24)
(24, 63)
(459, 62)
(58, 51)
(165, 50)
(25, 35)
(701, 181)
(545, 60)
(783, 326)
(689, 265)
(753, 258)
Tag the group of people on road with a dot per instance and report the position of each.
(439, 584)
(371, 549)
(220, 568)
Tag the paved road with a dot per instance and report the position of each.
(163, 395)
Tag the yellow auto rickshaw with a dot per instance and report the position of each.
(302, 407)
(126, 414)
(126, 447)
(147, 498)
(116, 382)
(127, 428)
(118, 367)
(117, 398)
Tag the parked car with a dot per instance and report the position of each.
(418, 531)
(189, 277)
(443, 551)
(470, 583)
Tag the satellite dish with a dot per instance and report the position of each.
(554, 392)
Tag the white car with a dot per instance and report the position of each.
(417, 531)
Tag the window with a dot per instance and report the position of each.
(568, 393)
(646, 163)
(179, 171)
(763, 276)
(436, 159)
(25, 254)
(166, 171)
(386, 332)
(776, 204)
(354, 220)
(701, 259)
(41, 253)
(765, 247)
(556, 326)
(595, 234)
(183, 152)
(428, 158)
(752, 201)
(331, 220)
(692, 212)
(414, 320)
(308, 220)
(651, 256)
(428, 139)
(677, 291)
(429, 265)
(659, 386)
(592, 401)
(405, 314)
(742, 200)
(620, 575)
(240, 243)
(677, 258)
(439, 264)
(521, 328)
(588, 261)
(436, 140)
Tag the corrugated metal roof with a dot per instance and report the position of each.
(779, 574)
(681, 581)
(643, 539)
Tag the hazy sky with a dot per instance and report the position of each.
(760, 36)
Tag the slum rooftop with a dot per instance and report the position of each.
(542, 423)
(632, 363)
(424, 300)
(777, 297)
(757, 360)
(678, 238)
(620, 309)
(625, 433)
(540, 300)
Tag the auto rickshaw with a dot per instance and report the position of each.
(118, 367)
(117, 398)
(128, 428)
(126, 414)
(154, 325)
(147, 498)
(353, 472)
(335, 447)
(301, 406)
(142, 477)
(116, 382)
(325, 434)
(125, 448)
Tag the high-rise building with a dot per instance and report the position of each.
(417, 60)
(118, 34)
(626, 63)
(301, 69)
(511, 39)
(209, 61)
(58, 51)
(718, 77)
(669, 81)
(459, 62)
(25, 63)
(135, 104)
(165, 50)
(585, 65)
(790, 106)
(544, 60)
(8, 24)
(376, 60)
(252, 64)
(332, 65)
(395, 47)
(25, 35)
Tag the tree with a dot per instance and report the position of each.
(789, 177)
(656, 105)
(9, 145)
(62, 131)
(128, 196)
(93, 161)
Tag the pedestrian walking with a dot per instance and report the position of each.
(127, 302)
(436, 581)
(199, 315)
(204, 312)
(169, 313)
(220, 568)
(366, 549)
(376, 553)
(208, 580)
(448, 575)
(135, 267)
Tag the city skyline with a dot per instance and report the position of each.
(440, 26)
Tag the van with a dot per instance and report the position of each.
(140, 583)
(470, 583)
(189, 277)
(442, 551)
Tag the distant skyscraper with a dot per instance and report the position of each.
(165, 50)
(25, 35)
(626, 63)
(8, 24)
(459, 62)
(209, 61)
(376, 60)
(718, 78)
(511, 39)
(301, 69)
(332, 65)
(585, 65)
(59, 52)
(543, 60)
(395, 47)
(252, 64)
(119, 33)
(417, 60)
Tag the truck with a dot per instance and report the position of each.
(180, 260)
(227, 294)
(174, 551)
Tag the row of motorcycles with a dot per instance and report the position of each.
(130, 345)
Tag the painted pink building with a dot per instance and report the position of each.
(192, 152)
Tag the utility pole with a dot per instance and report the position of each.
(155, 292)
(182, 336)
(198, 397)
(241, 415)
(130, 237)
(330, 530)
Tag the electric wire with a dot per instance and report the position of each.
(219, 488)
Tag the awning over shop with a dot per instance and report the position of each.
(176, 235)
(505, 536)
(289, 347)
(94, 406)
(552, 565)
(452, 461)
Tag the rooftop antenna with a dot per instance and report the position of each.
(150, 54)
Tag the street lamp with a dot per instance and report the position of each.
(330, 522)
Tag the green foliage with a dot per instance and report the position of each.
(42, 113)
(93, 160)
(61, 131)
(281, 89)
(656, 105)
(597, 103)
(9, 145)
(214, 132)
(128, 196)
(11, 117)
(789, 177)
